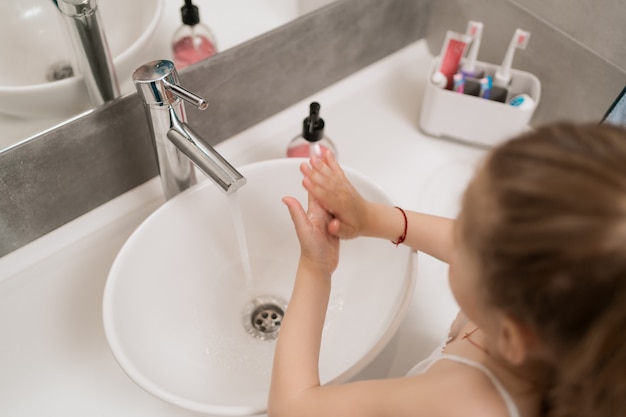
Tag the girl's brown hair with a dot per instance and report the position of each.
(546, 218)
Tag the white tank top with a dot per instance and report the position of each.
(438, 355)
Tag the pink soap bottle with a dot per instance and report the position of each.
(312, 141)
(193, 41)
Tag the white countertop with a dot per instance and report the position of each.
(54, 356)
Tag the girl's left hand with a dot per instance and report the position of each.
(318, 247)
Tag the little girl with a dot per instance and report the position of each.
(537, 265)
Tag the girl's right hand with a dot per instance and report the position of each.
(319, 249)
(326, 182)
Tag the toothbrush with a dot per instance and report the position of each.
(485, 87)
(459, 82)
(503, 74)
(475, 30)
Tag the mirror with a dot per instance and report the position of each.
(232, 22)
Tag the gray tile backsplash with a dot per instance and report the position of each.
(579, 82)
(599, 25)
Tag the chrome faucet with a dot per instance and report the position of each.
(91, 49)
(159, 88)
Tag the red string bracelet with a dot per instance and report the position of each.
(402, 237)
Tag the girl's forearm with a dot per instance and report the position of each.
(425, 233)
(296, 358)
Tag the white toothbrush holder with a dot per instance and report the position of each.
(476, 120)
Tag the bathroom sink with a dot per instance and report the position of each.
(34, 41)
(189, 325)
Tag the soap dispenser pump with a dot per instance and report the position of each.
(312, 141)
(193, 41)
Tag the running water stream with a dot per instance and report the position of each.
(235, 210)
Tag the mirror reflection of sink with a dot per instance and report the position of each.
(36, 51)
(190, 326)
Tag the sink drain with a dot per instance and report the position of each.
(59, 71)
(263, 316)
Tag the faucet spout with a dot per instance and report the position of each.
(177, 144)
(206, 158)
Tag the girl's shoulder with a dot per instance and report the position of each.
(461, 390)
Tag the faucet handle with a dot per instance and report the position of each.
(187, 95)
(157, 84)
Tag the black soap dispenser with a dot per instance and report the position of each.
(193, 41)
(312, 141)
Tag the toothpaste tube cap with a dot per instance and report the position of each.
(522, 101)
(439, 79)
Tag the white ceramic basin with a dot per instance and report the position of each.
(33, 38)
(177, 304)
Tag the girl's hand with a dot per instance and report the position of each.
(326, 183)
(319, 250)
